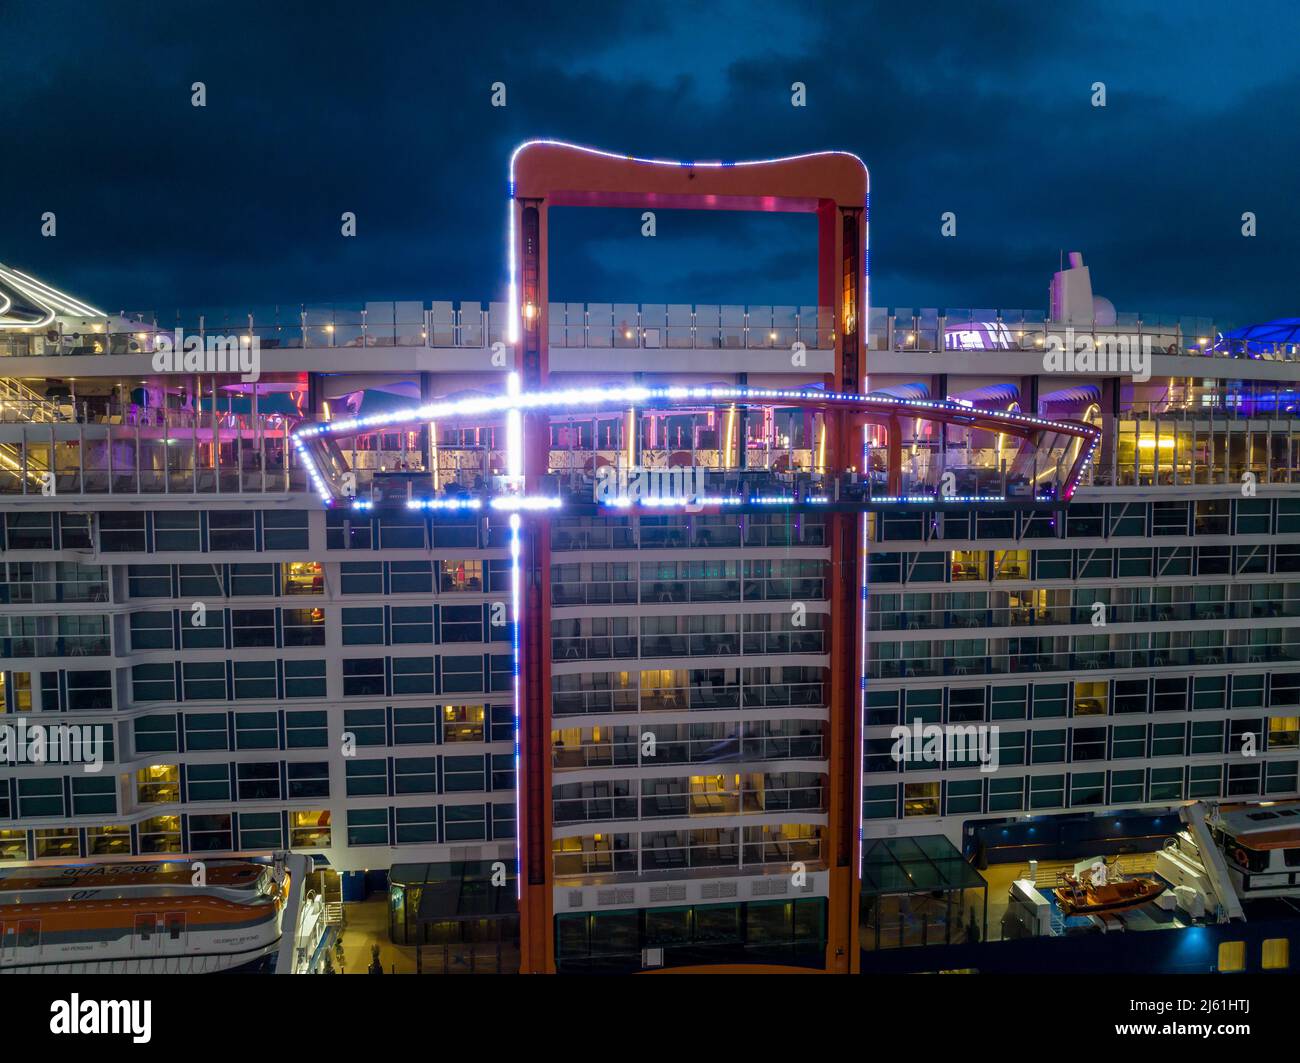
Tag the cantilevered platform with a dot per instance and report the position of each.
(857, 452)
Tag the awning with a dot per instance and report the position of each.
(991, 396)
(457, 891)
(904, 391)
(926, 864)
(1081, 393)
(1285, 330)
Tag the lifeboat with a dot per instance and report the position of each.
(139, 918)
(1090, 894)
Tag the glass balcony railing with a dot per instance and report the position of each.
(688, 698)
(17, 590)
(937, 665)
(678, 851)
(1198, 445)
(1047, 616)
(713, 644)
(580, 534)
(628, 752)
(614, 326)
(689, 805)
(156, 452)
(16, 646)
(934, 331)
(445, 325)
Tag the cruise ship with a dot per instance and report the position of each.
(647, 637)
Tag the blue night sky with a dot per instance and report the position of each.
(383, 109)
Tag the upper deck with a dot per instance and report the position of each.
(226, 875)
(450, 337)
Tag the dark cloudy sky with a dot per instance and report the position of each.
(383, 108)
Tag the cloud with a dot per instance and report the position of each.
(982, 109)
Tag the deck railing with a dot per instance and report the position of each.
(710, 326)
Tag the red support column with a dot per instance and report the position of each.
(536, 915)
(895, 454)
(536, 907)
(844, 696)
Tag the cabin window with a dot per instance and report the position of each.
(1276, 952)
(310, 829)
(1090, 698)
(921, 799)
(1284, 732)
(210, 832)
(57, 842)
(161, 834)
(1232, 956)
(108, 840)
(158, 784)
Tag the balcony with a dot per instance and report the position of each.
(626, 751)
(665, 855)
(701, 697)
(151, 452)
(939, 664)
(890, 618)
(713, 644)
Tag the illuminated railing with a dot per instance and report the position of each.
(980, 455)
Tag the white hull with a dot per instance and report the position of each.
(212, 963)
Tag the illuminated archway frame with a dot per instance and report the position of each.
(834, 185)
(860, 409)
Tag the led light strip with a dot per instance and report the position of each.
(50, 301)
(618, 394)
(516, 624)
